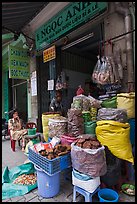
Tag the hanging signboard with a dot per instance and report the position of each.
(72, 16)
(18, 63)
(49, 54)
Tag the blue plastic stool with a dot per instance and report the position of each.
(86, 194)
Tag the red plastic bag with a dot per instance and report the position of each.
(80, 91)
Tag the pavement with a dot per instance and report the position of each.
(12, 159)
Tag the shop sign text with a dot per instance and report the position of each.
(74, 15)
(18, 63)
(49, 54)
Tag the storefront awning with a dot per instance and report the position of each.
(16, 15)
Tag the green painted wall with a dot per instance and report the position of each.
(5, 94)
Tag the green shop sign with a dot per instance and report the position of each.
(18, 63)
(74, 15)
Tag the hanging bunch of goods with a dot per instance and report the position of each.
(75, 122)
(88, 156)
(61, 82)
(107, 71)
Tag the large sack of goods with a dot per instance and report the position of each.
(127, 101)
(75, 122)
(88, 156)
(116, 136)
(45, 120)
(116, 114)
(89, 127)
(84, 181)
(57, 126)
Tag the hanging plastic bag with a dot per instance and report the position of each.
(63, 80)
(116, 136)
(96, 70)
(59, 83)
(79, 91)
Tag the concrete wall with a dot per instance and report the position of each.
(114, 26)
(32, 100)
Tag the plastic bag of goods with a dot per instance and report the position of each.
(116, 114)
(127, 101)
(110, 102)
(84, 181)
(77, 102)
(86, 116)
(94, 102)
(116, 136)
(86, 103)
(88, 156)
(93, 113)
(75, 122)
(57, 126)
(89, 127)
(81, 102)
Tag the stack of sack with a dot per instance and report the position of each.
(88, 162)
(113, 129)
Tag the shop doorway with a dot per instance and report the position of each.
(78, 59)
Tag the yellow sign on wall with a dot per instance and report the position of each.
(49, 54)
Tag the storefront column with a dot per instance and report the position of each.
(52, 74)
(5, 97)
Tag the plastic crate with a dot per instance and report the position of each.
(50, 166)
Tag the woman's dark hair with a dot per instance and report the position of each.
(13, 111)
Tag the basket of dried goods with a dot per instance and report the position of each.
(51, 160)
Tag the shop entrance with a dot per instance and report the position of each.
(78, 60)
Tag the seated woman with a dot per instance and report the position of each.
(16, 130)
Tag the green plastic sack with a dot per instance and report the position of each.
(89, 127)
(110, 103)
(9, 189)
(116, 136)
